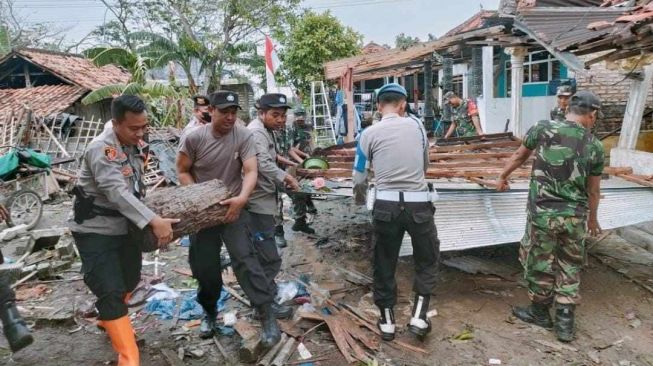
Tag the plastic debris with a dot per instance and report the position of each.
(226, 331)
(163, 308)
(495, 361)
(290, 290)
(163, 292)
(230, 318)
(304, 353)
(185, 241)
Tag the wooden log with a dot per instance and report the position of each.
(197, 206)
(250, 346)
(267, 359)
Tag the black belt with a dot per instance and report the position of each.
(101, 211)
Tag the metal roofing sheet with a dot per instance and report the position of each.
(562, 28)
(471, 218)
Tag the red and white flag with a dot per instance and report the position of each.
(272, 63)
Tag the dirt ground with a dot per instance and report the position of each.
(615, 322)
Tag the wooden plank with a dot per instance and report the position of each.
(250, 346)
(476, 146)
(470, 156)
(171, 358)
(611, 170)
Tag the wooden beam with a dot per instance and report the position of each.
(479, 146)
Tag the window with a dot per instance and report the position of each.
(539, 67)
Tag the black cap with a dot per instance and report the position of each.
(273, 100)
(224, 99)
(587, 99)
(200, 101)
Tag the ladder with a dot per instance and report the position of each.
(324, 132)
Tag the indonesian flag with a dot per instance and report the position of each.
(271, 65)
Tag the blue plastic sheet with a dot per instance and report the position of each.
(189, 308)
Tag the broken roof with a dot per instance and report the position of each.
(74, 69)
(473, 23)
(42, 100)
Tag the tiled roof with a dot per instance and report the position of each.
(43, 100)
(473, 23)
(76, 69)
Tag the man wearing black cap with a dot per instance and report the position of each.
(201, 115)
(562, 208)
(263, 203)
(226, 151)
(398, 150)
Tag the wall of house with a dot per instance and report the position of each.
(496, 111)
(528, 89)
(613, 89)
(96, 111)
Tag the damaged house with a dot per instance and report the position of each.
(52, 82)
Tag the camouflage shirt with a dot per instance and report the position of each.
(283, 140)
(566, 154)
(302, 136)
(558, 114)
(462, 116)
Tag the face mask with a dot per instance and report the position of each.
(206, 116)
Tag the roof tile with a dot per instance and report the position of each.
(77, 69)
(43, 100)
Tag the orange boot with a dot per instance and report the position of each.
(123, 340)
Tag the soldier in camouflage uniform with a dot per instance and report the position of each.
(560, 110)
(562, 207)
(284, 143)
(464, 116)
(301, 146)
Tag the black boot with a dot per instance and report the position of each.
(564, 326)
(270, 333)
(310, 207)
(280, 311)
(387, 324)
(301, 225)
(16, 331)
(535, 313)
(279, 237)
(420, 325)
(207, 327)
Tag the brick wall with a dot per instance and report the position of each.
(613, 89)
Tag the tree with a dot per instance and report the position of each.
(221, 27)
(15, 32)
(312, 40)
(403, 41)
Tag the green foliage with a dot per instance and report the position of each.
(403, 41)
(314, 39)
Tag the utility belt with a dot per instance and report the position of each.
(398, 196)
(85, 208)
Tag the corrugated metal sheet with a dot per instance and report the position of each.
(472, 218)
(562, 28)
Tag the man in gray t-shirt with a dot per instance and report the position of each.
(224, 150)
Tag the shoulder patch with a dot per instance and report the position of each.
(110, 153)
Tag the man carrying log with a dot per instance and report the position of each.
(465, 120)
(263, 203)
(562, 207)
(226, 151)
(397, 148)
(107, 208)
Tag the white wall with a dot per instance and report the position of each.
(495, 112)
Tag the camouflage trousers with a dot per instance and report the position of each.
(301, 205)
(465, 129)
(552, 253)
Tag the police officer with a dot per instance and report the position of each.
(14, 327)
(560, 110)
(562, 207)
(201, 115)
(397, 149)
(226, 151)
(263, 202)
(300, 142)
(108, 200)
(464, 116)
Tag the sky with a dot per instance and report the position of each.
(377, 20)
